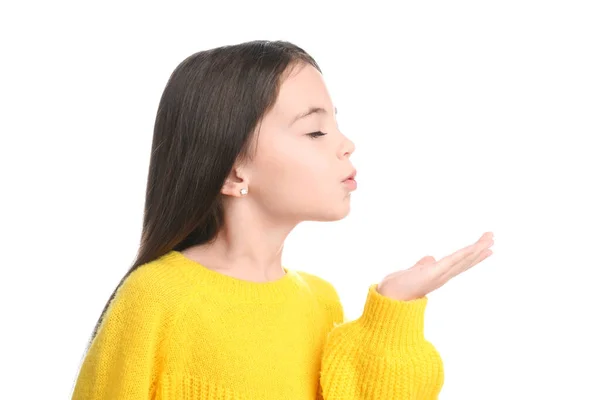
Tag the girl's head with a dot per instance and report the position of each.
(230, 118)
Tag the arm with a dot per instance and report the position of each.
(384, 354)
(381, 355)
(123, 359)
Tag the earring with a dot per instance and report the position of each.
(243, 191)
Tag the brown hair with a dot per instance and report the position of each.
(211, 105)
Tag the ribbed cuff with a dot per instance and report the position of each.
(389, 323)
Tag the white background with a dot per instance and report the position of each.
(468, 116)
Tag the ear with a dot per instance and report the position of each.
(235, 182)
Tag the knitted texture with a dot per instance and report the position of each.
(178, 330)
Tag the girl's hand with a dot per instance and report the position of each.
(427, 274)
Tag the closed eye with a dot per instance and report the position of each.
(315, 135)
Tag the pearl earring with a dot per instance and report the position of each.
(243, 191)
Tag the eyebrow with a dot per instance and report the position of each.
(310, 111)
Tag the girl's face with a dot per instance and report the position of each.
(297, 173)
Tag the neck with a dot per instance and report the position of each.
(248, 246)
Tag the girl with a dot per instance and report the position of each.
(245, 147)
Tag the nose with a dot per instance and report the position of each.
(347, 148)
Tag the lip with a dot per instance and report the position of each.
(349, 182)
(351, 176)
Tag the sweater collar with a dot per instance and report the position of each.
(234, 288)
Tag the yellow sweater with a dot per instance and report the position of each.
(178, 330)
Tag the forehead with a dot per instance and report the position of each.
(302, 88)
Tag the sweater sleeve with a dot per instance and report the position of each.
(381, 355)
(124, 358)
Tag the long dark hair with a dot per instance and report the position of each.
(210, 107)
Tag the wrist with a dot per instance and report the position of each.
(397, 295)
(391, 323)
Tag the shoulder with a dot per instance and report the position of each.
(154, 286)
(319, 286)
(325, 292)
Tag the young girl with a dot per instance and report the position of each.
(245, 147)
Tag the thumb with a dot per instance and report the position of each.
(426, 260)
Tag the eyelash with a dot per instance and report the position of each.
(317, 134)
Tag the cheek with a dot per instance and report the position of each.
(296, 173)
(294, 170)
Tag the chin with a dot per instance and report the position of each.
(334, 214)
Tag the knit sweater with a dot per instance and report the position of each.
(178, 330)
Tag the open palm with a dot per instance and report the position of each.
(428, 275)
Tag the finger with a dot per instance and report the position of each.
(469, 253)
(472, 259)
(484, 254)
(480, 256)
